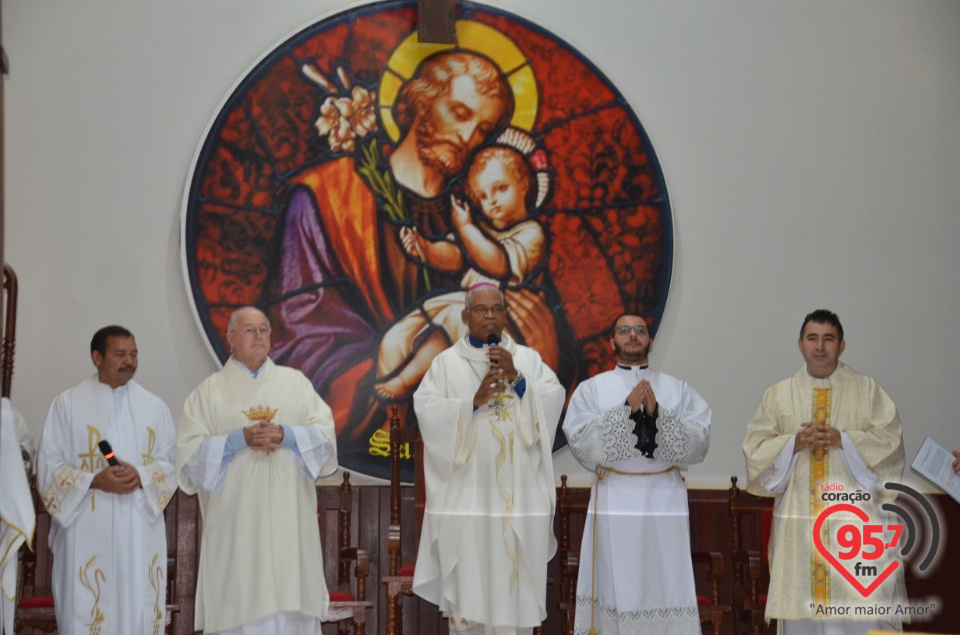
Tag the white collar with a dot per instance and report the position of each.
(830, 376)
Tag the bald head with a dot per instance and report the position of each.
(248, 334)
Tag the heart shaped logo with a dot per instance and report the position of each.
(862, 515)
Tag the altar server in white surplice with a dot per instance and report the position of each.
(487, 415)
(636, 428)
(252, 441)
(826, 430)
(108, 534)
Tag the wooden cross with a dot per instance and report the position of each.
(436, 18)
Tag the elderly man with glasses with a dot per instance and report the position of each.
(636, 428)
(253, 439)
(488, 410)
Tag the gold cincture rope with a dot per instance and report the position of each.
(601, 472)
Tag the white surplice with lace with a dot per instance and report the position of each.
(643, 581)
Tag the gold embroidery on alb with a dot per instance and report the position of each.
(156, 581)
(506, 446)
(93, 460)
(93, 584)
(63, 482)
(147, 458)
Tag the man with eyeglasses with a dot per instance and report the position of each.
(252, 441)
(488, 410)
(636, 428)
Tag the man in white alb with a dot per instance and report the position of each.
(17, 516)
(252, 441)
(107, 534)
(635, 428)
(27, 447)
(828, 430)
(488, 410)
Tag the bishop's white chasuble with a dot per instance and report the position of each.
(488, 525)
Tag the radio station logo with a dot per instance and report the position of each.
(863, 545)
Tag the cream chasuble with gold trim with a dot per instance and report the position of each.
(803, 585)
(260, 553)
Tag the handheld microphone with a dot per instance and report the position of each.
(493, 340)
(108, 453)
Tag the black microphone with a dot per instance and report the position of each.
(493, 340)
(107, 452)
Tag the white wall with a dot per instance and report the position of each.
(811, 150)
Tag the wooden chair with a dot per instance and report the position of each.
(570, 514)
(34, 609)
(572, 507)
(9, 345)
(401, 567)
(750, 519)
(709, 607)
(348, 597)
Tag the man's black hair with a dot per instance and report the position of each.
(99, 341)
(823, 316)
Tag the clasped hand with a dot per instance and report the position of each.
(816, 435)
(643, 396)
(498, 377)
(117, 479)
(264, 436)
